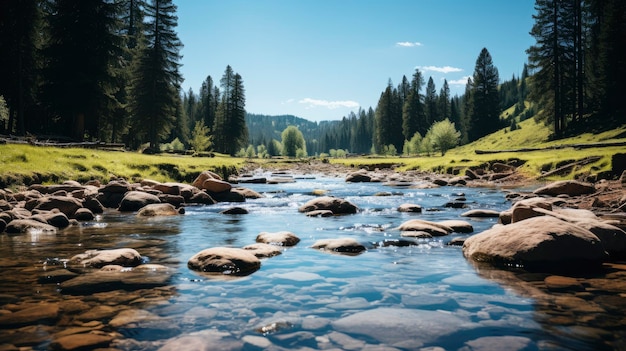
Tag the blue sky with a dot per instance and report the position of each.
(321, 59)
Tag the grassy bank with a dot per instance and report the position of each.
(26, 164)
(530, 135)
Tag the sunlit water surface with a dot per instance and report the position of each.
(420, 296)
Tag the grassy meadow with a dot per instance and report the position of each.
(26, 164)
(530, 135)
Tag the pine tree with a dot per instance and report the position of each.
(413, 115)
(82, 54)
(229, 129)
(430, 103)
(388, 120)
(156, 83)
(484, 117)
(443, 103)
(20, 24)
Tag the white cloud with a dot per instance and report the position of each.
(287, 102)
(444, 69)
(462, 81)
(408, 44)
(331, 105)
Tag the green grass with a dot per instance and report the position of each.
(530, 135)
(26, 164)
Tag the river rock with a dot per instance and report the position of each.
(235, 211)
(174, 200)
(320, 213)
(31, 315)
(85, 341)
(489, 343)
(336, 205)
(66, 204)
(566, 187)
(457, 226)
(216, 186)
(247, 193)
(481, 213)
(84, 214)
(26, 225)
(528, 208)
(401, 327)
(114, 277)
(201, 197)
(538, 242)
(3, 225)
(282, 238)
(99, 258)
(93, 205)
(202, 177)
(227, 196)
(156, 210)
(359, 177)
(224, 260)
(410, 208)
(432, 228)
(262, 250)
(135, 200)
(55, 218)
(347, 246)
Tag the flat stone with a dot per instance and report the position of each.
(26, 225)
(432, 228)
(281, 238)
(158, 209)
(557, 282)
(457, 226)
(31, 315)
(413, 208)
(347, 246)
(262, 250)
(224, 260)
(481, 213)
(99, 258)
(81, 342)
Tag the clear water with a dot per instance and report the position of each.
(407, 298)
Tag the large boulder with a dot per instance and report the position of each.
(337, 205)
(99, 258)
(537, 242)
(566, 187)
(282, 238)
(361, 176)
(204, 176)
(135, 200)
(215, 186)
(225, 260)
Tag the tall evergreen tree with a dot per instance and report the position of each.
(413, 115)
(443, 103)
(388, 120)
(156, 84)
(229, 129)
(82, 55)
(20, 24)
(209, 99)
(484, 117)
(430, 103)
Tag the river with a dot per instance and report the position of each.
(424, 296)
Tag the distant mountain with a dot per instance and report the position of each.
(263, 128)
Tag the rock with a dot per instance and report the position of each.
(67, 205)
(225, 260)
(567, 187)
(457, 226)
(432, 228)
(358, 177)
(457, 181)
(26, 225)
(410, 208)
(456, 242)
(114, 277)
(320, 213)
(3, 225)
(116, 186)
(494, 343)
(559, 283)
(282, 238)
(395, 243)
(99, 258)
(168, 188)
(416, 234)
(440, 182)
(54, 218)
(336, 205)
(262, 250)
(202, 198)
(481, 213)
(31, 315)
(247, 193)
(174, 200)
(84, 214)
(206, 340)
(203, 177)
(215, 186)
(347, 246)
(85, 341)
(135, 200)
(401, 327)
(527, 208)
(455, 204)
(538, 242)
(156, 210)
(227, 196)
(235, 211)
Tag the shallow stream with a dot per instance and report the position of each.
(423, 296)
